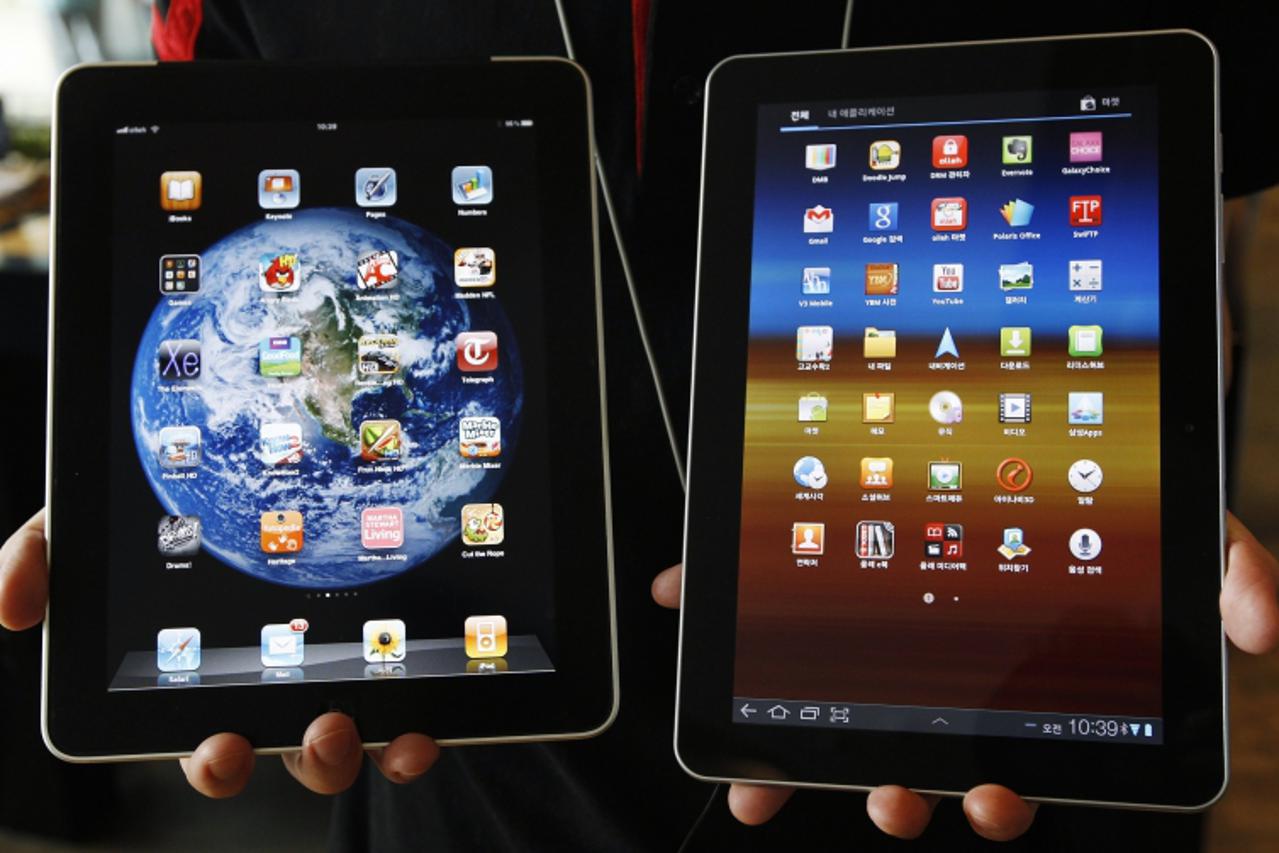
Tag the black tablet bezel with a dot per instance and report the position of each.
(82, 720)
(1189, 769)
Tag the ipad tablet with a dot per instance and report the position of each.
(955, 507)
(326, 425)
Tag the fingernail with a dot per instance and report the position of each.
(228, 767)
(333, 748)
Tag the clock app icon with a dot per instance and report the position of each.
(1084, 475)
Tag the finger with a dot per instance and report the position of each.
(666, 586)
(406, 758)
(900, 812)
(1249, 606)
(330, 757)
(220, 767)
(756, 804)
(24, 576)
(997, 813)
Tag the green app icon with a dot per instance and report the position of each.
(1017, 150)
(1085, 341)
(1014, 341)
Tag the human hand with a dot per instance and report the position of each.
(330, 757)
(1249, 609)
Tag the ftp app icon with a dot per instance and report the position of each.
(1085, 211)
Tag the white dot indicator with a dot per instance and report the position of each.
(928, 598)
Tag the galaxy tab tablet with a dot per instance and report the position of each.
(326, 424)
(955, 508)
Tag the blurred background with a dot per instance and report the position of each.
(46, 805)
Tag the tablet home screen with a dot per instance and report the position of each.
(329, 439)
(950, 488)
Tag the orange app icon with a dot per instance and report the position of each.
(881, 279)
(808, 537)
(180, 190)
(281, 532)
(485, 636)
(877, 472)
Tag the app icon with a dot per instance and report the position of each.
(280, 273)
(950, 152)
(882, 216)
(476, 351)
(180, 447)
(1085, 407)
(879, 343)
(812, 408)
(881, 279)
(945, 407)
(178, 535)
(475, 266)
(1085, 147)
(375, 186)
(384, 641)
(819, 220)
(1017, 213)
(1014, 408)
(472, 185)
(281, 531)
(810, 473)
(377, 270)
(1014, 544)
(282, 646)
(483, 524)
(1085, 544)
(877, 472)
(948, 278)
(280, 356)
(1085, 341)
(819, 157)
(1084, 476)
(279, 189)
(485, 636)
(816, 281)
(177, 649)
(1014, 341)
(885, 154)
(180, 190)
(480, 437)
(874, 540)
(1016, 276)
(1014, 475)
(381, 441)
(382, 527)
(280, 444)
(808, 538)
(814, 343)
(1017, 150)
(878, 408)
(943, 541)
(1085, 275)
(179, 274)
(945, 476)
(178, 360)
(377, 355)
(1087, 104)
(950, 214)
(1085, 211)
(946, 346)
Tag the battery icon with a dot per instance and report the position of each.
(526, 122)
(1150, 730)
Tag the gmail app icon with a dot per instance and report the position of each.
(819, 220)
(282, 645)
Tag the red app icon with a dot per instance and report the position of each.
(950, 214)
(476, 351)
(1085, 211)
(950, 152)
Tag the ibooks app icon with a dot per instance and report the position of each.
(485, 636)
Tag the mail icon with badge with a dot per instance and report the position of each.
(819, 220)
(281, 645)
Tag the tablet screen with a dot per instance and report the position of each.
(329, 450)
(951, 480)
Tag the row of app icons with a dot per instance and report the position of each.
(816, 343)
(281, 189)
(884, 278)
(1012, 474)
(877, 540)
(282, 272)
(1083, 408)
(283, 644)
(950, 213)
(381, 528)
(950, 151)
